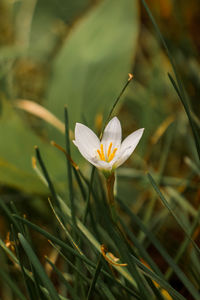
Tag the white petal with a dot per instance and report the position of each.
(128, 146)
(86, 141)
(112, 134)
(102, 165)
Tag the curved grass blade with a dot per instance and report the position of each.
(179, 89)
(183, 278)
(142, 251)
(167, 205)
(187, 110)
(38, 268)
(67, 212)
(159, 280)
(72, 251)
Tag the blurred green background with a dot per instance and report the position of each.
(78, 54)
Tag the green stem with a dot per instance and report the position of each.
(110, 181)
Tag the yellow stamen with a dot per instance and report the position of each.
(109, 149)
(99, 154)
(102, 153)
(111, 156)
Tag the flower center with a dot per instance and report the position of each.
(109, 155)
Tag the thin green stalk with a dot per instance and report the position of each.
(186, 282)
(110, 181)
(180, 90)
(47, 177)
(116, 102)
(94, 279)
(69, 169)
(38, 268)
(162, 164)
(89, 194)
(62, 279)
(72, 251)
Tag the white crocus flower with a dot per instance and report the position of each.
(110, 152)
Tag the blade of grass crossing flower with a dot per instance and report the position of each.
(38, 268)
(183, 278)
(13, 286)
(179, 89)
(167, 205)
(69, 168)
(94, 279)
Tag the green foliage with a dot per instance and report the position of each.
(73, 58)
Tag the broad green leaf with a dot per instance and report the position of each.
(50, 19)
(17, 148)
(94, 62)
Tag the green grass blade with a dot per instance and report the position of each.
(13, 286)
(184, 245)
(69, 168)
(142, 251)
(116, 102)
(47, 177)
(62, 279)
(67, 212)
(27, 283)
(187, 110)
(183, 278)
(164, 284)
(9, 214)
(38, 268)
(167, 205)
(88, 195)
(70, 250)
(179, 89)
(94, 279)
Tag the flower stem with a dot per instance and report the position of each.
(110, 181)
